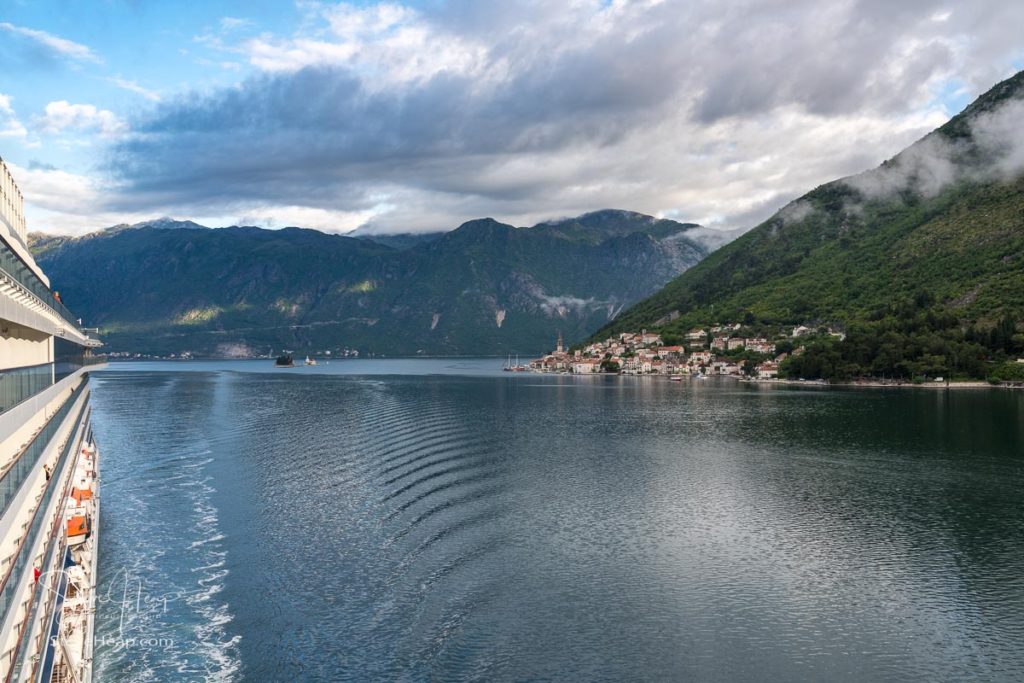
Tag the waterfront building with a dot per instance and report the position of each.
(586, 367)
(701, 358)
(631, 365)
(49, 495)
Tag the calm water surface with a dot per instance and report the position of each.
(441, 520)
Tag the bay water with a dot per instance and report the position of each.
(443, 520)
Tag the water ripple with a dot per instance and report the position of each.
(487, 528)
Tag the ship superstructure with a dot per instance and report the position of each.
(49, 487)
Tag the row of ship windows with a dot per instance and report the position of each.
(13, 205)
(7, 184)
(22, 383)
(19, 384)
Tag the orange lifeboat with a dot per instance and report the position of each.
(78, 529)
(81, 495)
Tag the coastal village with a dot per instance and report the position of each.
(720, 350)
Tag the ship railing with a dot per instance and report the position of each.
(27, 654)
(43, 663)
(37, 526)
(19, 272)
(15, 475)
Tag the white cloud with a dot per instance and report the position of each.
(300, 216)
(56, 190)
(132, 86)
(233, 23)
(61, 46)
(999, 135)
(214, 36)
(294, 54)
(387, 43)
(10, 126)
(996, 151)
(62, 117)
(60, 202)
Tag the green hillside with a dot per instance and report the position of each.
(921, 260)
(485, 288)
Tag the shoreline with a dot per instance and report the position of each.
(869, 384)
(226, 358)
(878, 384)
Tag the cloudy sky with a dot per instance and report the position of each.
(417, 116)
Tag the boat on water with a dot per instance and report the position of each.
(310, 361)
(516, 367)
(49, 524)
(675, 378)
(285, 360)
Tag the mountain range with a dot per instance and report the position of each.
(168, 286)
(920, 259)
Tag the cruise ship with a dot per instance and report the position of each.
(49, 469)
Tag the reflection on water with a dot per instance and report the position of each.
(440, 520)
